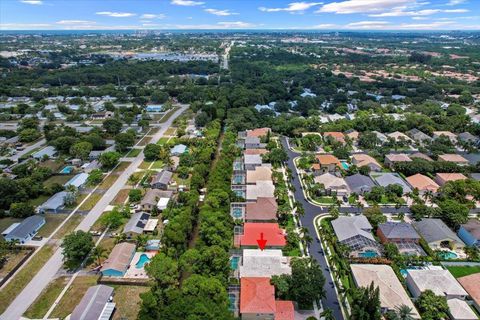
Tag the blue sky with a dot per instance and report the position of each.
(240, 14)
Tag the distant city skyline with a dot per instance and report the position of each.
(239, 14)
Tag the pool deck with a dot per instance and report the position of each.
(133, 272)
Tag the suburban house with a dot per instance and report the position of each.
(161, 180)
(453, 157)
(397, 232)
(359, 183)
(253, 143)
(77, 181)
(381, 137)
(119, 259)
(25, 230)
(271, 232)
(332, 184)
(326, 163)
(362, 160)
(251, 161)
(470, 284)
(258, 132)
(178, 150)
(437, 234)
(399, 136)
(422, 183)
(470, 232)
(255, 151)
(47, 152)
(102, 115)
(443, 178)
(174, 164)
(355, 232)
(420, 155)
(54, 203)
(334, 136)
(264, 263)
(136, 224)
(95, 304)
(385, 179)
(352, 134)
(154, 108)
(257, 301)
(259, 173)
(262, 189)
(469, 138)
(392, 293)
(451, 136)
(264, 209)
(460, 310)
(94, 154)
(419, 136)
(392, 158)
(441, 282)
(153, 198)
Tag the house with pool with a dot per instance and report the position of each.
(119, 259)
(438, 235)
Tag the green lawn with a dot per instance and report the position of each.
(134, 152)
(48, 296)
(327, 200)
(162, 141)
(168, 115)
(60, 179)
(52, 221)
(157, 165)
(91, 202)
(461, 271)
(38, 200)
(128, 302)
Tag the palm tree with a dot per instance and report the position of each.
(404, 312)
(327, 314)
(141, 240)
(98, 253)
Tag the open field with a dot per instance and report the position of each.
(40, 306)
(134, 152)
(108, 182)
(461, 271)
(23, 277)
(13, 258)
(91, 202)
(168, 115)
(69, 226)
(120, 198)
(128, 301)
(121, 167)
(52, 221)
(59, 179)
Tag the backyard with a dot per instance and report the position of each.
(461, 271)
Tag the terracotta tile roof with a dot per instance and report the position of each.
(362, 159)
(452, 157)
(257, 295)
(271, 232)
(334, 134)
(353, 135)
(285, 310)
(421, 156)
(261, 173)
(326, 159)
(400, 157)
(422, 182)
(470, 284)
(262, 209)
(259, 132)
(451, 176)
(444, 133)
(255, 151)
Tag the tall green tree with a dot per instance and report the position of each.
(366, 304)
(431, 306)
(75, 248)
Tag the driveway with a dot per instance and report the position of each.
(41, 280)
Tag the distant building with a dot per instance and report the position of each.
(386, 179)
(470, 284)
(355, 232)
(437, 234)
(364, 160)
(332, 184)
(391, 159)
(119, 259)
(460, 310)
(359, 183)
(455, 158)
(326, 163)
(422, 183)
(262, 189)
(420, 155)
(153, 198)
(154, 108)
(252, 161)
(25, 230)
(77, 181)
(271, 232)
(451, 136)
(442, 178)
(95, 304)
(264, 209)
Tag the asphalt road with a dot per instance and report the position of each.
(46, 274)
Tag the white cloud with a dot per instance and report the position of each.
(236, 24)
(115, 14)
(24, 26)
(427, 26)
(218, 25)
(456, 11)
(363, 6)
(400, 13)
(68, 22)
(420, 18)
(293, 7)
(369, 25)
(222, 13)
(186, 3)
(325, 26)
(152, 16)
(34, 2)
(455, 2)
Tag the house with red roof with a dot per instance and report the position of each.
(257, 301)
(259, 132)
(272, 233)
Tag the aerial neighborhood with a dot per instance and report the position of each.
(149, 173)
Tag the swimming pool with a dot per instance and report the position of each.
(345, 165)
(237, 213)
(234, 263)
(144, 259)
(447, 255)
(233, 301)
(404, 272)
(237, 179)
(368, 254)
(67, 170)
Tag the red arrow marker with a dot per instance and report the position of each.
(261, 242)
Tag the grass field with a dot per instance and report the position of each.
(38, 200)
(60, 179)
(13, 258)
(108, 182)
(24, 276)
(54, 165)
(52, 221)
(461, 271)
(168, 115)
(158, 165)
(69, 226)
(121, 167)
(162, 141)
(170, 131)
(134, 152)
(120, 198)
(145, 141)
(90, 202)
(128, 301)
(73, 296)
(48, 296)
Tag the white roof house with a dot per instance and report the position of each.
(441, 282)
(163, 203)
(77, 181)
(264, 263)
(263, 189)
(332, 182)
(460, 310)
(392, 293)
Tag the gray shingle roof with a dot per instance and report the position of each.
(389, 178)
(346, 227)
(359, 183)
(26, 227)
(56, 201)
(137, 222)
(395, 230)
(92, 303)
(435, 230)
(163, 177)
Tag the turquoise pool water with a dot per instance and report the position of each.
(67, 170)
(345, 165)
(240, 193)
(237, 166)
(237, 179)
(368, 254)
(447, 255)
(144, 259)
(233, 300)
(237, 213)
(404, 272)
(234, 263)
